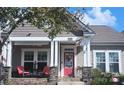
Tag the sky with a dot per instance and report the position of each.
(110, 16)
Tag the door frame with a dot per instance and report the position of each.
(35, 50)
(73, 61)
(62, 59)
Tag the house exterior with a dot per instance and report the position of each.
(96, 46)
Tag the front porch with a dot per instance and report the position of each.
(44, 81)
(36, 53)
(36, 57)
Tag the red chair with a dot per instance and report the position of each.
(46, 70)
(21, 71)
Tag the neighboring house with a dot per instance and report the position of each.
(100, 47)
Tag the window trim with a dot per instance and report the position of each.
(35, 54)
(107, 59)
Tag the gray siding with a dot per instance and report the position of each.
(109, 48)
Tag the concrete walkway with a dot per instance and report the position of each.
(70, 83)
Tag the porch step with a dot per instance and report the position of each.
(28, 81)
(70, 81)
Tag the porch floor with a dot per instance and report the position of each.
(43, 81)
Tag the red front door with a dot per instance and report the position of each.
(68, 63)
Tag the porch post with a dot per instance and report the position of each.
(4, 55)
(9, 56)
(85, 55)
(86, 50)
(86, 71)
(9, 59)
(52, 54)
(88, 53)
(56, 53)
(53, 72)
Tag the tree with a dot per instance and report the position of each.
(51, 20)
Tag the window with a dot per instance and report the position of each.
(42, 59)
(35, 59)
(29, 56)
(69, 49)
(42, 56)
(28, 60)
(107, 61)
(100, 60)
(114, 61)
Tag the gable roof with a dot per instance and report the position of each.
(103, 34)
(106, 34)
(32, 31)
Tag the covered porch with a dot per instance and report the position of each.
(64, 53)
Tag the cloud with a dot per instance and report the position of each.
(98, 17)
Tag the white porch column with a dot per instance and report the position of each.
(4, 55)
(52, 54)
(88, 54)
(85, 55)
(86, 51)
(9, 59)
(9, 55)
(56, 53)
(59, 64)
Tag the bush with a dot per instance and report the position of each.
(96, 73)
(121, 78)
(100, 78)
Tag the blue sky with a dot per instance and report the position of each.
(111, 16)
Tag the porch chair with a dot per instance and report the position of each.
(46, 71)
(21, 71)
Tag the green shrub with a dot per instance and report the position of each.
(100, 78)
(121, 77)
(96, 73)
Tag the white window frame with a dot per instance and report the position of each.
(107, 58)
(35, 54)
(94, 57)
(42, 50)
(22, 55)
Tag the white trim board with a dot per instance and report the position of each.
(44, 39)
(30, 43)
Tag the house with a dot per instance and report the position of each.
(96, 46)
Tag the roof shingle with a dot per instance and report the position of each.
(106, 34)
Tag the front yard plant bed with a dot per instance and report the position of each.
(102, 78)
